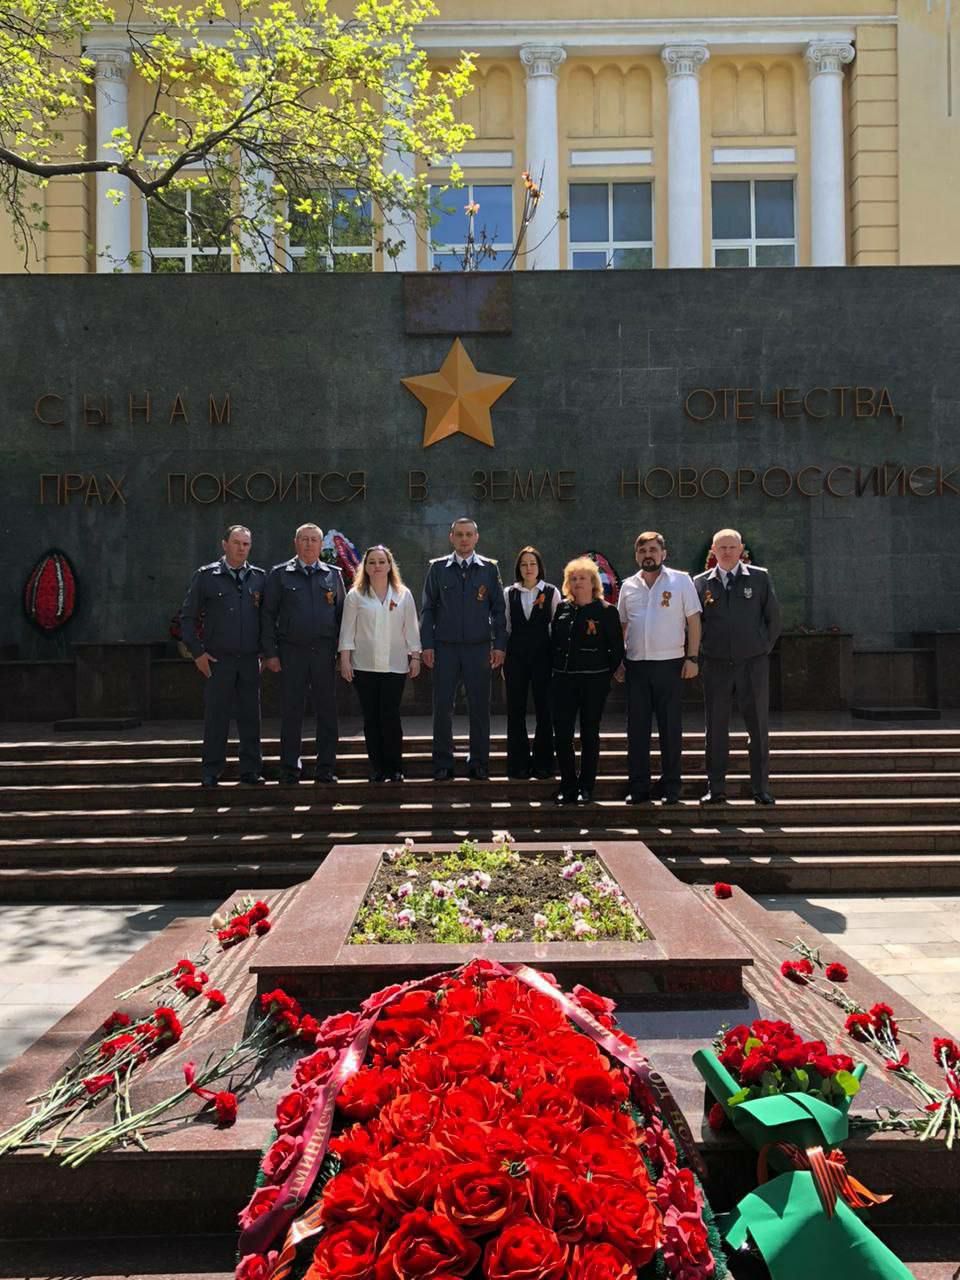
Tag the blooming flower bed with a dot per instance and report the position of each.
(494, 895)
(479, 1123)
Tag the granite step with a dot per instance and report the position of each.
(145, 794)
(417, 764)
(240, 814)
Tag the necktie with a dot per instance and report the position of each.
(729, 582)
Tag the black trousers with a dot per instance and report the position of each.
(380, 693)
(750, 680)
(302, 668)
(584, 695)
(523, 671)
(232, 690)
(654, 689)
(468, 664)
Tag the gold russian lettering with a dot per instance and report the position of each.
(135, 406)
(417, 488)
(219, 413)
(48, 422)
(808, 493)
(698, 417)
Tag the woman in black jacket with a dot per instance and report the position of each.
(587, 647)
(531, 603)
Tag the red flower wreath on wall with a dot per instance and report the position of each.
(50, 592)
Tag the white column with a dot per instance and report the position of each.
(828, 195)
(112, 67)
(684, 156)
(543, 151)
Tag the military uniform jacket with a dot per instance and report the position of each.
(301, 608)
(230, 611)
(743, 622)
(463, 606)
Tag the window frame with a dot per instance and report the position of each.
(611, 245)
(752, 242)
(499, 246)
(187, 252)
(328, 255)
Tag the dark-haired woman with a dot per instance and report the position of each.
(379, 647)
(587, 646)
(531, 603)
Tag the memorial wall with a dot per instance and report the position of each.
(815, 410)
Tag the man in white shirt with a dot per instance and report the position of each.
(660, 612)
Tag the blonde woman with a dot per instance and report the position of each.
(379, 647)
(587, 648)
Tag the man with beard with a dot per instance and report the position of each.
(741, 624)
(660, 612)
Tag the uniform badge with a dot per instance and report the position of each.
(591, 627)
(747, 593)
(330, 597)
(481, 593)
(708, 598)
(665, 600)
(256, 599)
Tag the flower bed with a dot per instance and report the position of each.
(496, 1127)
(494, 895)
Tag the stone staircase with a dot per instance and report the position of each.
(114, 819)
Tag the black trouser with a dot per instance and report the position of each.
(524, 670)
(380, 693)
(572, 694)
(751, 682)
(300, 668)
(654, 689)
(232, 690)
(469, 663)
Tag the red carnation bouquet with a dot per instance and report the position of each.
(770, 1057)
(479, 1123)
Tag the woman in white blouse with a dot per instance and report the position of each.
(531, 603)
(379, 647)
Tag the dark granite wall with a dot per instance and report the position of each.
(603, 364)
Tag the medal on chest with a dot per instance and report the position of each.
(665, 600)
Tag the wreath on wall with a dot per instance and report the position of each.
(50, 592)
(609, 578)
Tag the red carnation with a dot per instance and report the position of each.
(309, 1028)
(262, 927)
(946, 1052)
(183, 966)
(797, 970)
(900, 1064)
(116, 1019)
(189, 985)
(722, 890)
(836, 972)
(717, 1118)
(277, 1002)
(225, 1105)
(524, 1250)
(93, 1084)
(858, 1025)
(216, 998)
(259, 911)
(169, 1026)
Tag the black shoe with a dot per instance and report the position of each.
(543, 775)
(563, 798)
(763, 797)
(288, 779)
(637, 797)
(586, 797)
(209, 782)
(713, 797)
(443, 775)
(252, 779)
(518, 776)
(670, 797)
(379, 776)
(396, 777)
(322, 779)
(479, 773)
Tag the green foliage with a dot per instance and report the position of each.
(273, 110)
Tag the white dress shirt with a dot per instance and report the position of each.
(528, 597)
(382, 635)
(655, 618)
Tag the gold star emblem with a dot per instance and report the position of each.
(457, 398)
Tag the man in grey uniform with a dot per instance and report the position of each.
(464, 633)
(302, 608)
(223, 603)
(741, 623)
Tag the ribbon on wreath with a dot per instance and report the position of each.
(829, 1173)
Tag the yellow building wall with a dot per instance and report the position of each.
(929, 134)
(873, 149)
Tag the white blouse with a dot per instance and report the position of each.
(381, 635)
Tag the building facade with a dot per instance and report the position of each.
(734, 133)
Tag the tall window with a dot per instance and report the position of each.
(611, 225)
(339, 239)
(754, 224)
(191, 235)
(492, 225)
